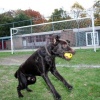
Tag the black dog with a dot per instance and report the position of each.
(40, 63)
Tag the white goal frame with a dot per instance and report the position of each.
(16, 29)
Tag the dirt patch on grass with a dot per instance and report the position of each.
(19, 59)
(13, 60)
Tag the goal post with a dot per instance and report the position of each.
(11, 41)
(37, 34)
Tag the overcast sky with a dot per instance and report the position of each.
(45, 7)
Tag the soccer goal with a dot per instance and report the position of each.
(74, 30)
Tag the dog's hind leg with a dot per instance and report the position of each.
(19, 91)
(30, 80)
(29, 90)
(22, 83)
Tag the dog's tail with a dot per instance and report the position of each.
(15, 74)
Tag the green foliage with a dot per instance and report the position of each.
(97, 12)
(77, 9)
(16, 19)
(19, 19)
(77, 6)
(4, 28)
(6, 17)
(59, 14)
(7, 21)
(97, 22)
(27, 17)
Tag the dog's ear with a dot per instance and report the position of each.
(56, 38)
(68, 42)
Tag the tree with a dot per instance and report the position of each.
(20, 18)
(59, 14)
(16, 18)
(36, 16)
(76, 9)
(5, 18)
(97, 12)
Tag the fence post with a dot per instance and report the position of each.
(52, 24)
(11, 41)
(93, 30)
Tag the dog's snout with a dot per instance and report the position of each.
(69, 49)
(73, 52)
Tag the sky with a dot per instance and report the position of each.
(44, 7)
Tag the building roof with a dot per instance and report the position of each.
(4, 38)
(86, 29)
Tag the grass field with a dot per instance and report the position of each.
(86, 81)
(85, 57)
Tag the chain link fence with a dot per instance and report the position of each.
(34, 36)
(28, 34)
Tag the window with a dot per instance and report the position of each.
(40, 38)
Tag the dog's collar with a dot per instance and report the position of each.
(47, 51)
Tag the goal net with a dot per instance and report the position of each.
(79, 32)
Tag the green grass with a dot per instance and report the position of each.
(86, 83)
(85, 57)
(7, 54)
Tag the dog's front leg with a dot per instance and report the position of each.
(55, 93)
(58, 76)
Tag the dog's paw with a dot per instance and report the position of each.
(70, 87)
(58, 97)
(29, 90)
(20, 96)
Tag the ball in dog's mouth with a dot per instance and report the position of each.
(68, 56)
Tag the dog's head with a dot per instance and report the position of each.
(61, 46)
